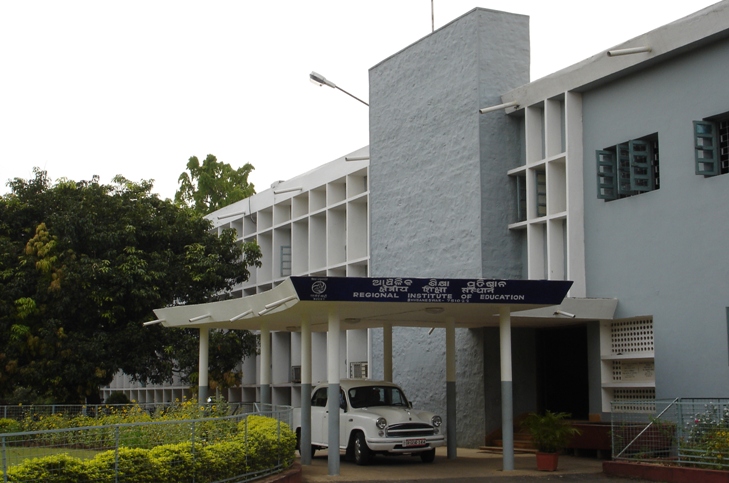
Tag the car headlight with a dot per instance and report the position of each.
(437, 421)
(381, 423)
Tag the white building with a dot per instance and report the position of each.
(608, 173)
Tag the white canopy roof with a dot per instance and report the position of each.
(373, 302)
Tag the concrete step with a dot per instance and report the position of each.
(499, 450)
(518, 443)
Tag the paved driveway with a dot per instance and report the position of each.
(471, 466)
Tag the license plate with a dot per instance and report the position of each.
(414, 442)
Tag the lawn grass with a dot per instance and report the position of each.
(16, 455)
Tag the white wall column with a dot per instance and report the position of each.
(203, 385)
(265, 364)
(507, 402)
(333, 392)
(305, 437)
(451, 387)
(387, 352)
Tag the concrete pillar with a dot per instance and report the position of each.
(305, 441)
(507, 401)
(451, 387)
(265, 364)
(333, 392)
(203, 385)
(387, 352)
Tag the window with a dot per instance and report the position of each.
(541, 186)
(711, 145)
(628, 169)
(285, 257)
(319, 399)
(521, 196)
(370, 396)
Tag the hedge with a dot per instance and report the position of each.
(255, 446)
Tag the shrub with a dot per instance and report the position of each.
(268, 444)
(265, 446)
(223, 460)
(9, 426)
(134, 466)
(60, 468)
(171, 461)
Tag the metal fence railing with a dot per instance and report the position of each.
(187, 447)
(19, 411)
(683, 431)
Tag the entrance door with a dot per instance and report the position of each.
(562, 370)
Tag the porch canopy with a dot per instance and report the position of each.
(333, 304)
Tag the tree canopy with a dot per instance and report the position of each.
(83, 264)
(213, 184)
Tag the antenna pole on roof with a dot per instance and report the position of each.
(432, 17)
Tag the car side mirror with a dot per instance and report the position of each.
(410, 405)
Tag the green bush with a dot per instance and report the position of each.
(134, 466)
(173, 461)
(9, 426)
(268, 444)
(266, 447)
(223, 460)
(60, 468)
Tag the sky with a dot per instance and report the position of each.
(137, 87)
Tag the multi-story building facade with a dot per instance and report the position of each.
(609, 173)
(313, 224)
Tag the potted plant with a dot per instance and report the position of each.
(551, 433)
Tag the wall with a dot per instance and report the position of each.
(440, 197)
(663, 253)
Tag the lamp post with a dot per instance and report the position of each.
(320, 80)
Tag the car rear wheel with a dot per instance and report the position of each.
(428, 456)
(362, 453)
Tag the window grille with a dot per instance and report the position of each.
(633, 400)
(606, 178)
(358, 370)
(711, 147)
(642, 174)
(631, 336)
(285, 260)
(622, 154)
(617, 371)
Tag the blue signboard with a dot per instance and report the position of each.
(431, 290)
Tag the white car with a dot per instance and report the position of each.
(374, 418)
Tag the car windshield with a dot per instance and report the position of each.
(368, 396)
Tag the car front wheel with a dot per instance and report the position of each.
(362, 453)
(428, 456)
(298, 443)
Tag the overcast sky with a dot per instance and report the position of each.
(137, 87)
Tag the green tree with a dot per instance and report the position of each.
(212, 185)
(83, 264)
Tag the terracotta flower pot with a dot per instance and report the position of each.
(547, 461)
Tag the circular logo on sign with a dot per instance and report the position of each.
(318, 287)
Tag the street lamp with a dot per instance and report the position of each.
(320, 80)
